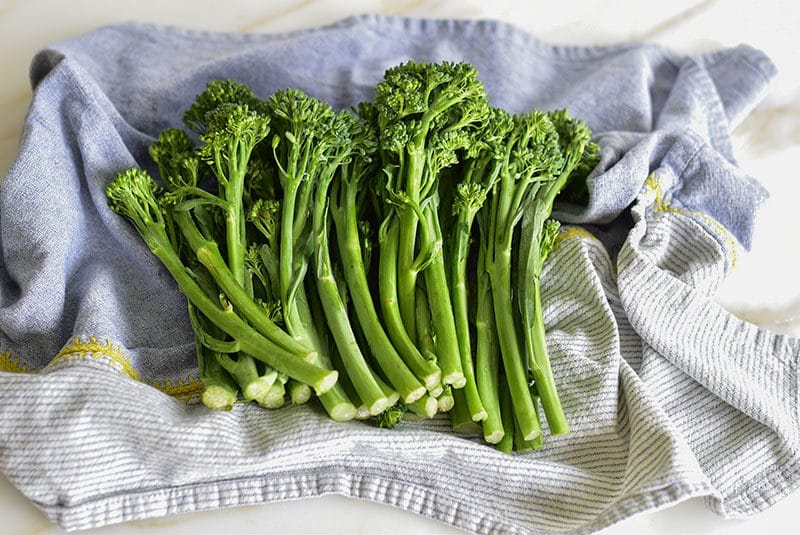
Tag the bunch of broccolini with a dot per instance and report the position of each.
(311, 247)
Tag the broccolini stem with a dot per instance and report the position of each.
(442, 309)
(458, 285)
(245, 372)
(405, 272)
(362, 411)
(335, 400)
(506, 444)
(411, 172)
(299, 392)
(427, 371)
(208, 254)
(426, 406)
(233, 189)
(537, 238)
(338, 405)
(445, 399)
(460, 418)
(287, 260)
(520, 444)
(250, 341)
(243, 369)
(219, 388)
(329, 294)
(346, 224)
(358, 371)
(499, 269)
(276, 397)
(427, 346)
(487, 355)
(542, 371)
(234, 228)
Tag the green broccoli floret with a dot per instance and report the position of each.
(218, 93)
(392, 416)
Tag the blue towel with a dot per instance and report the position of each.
(668, 395)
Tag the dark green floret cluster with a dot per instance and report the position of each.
(384, 260)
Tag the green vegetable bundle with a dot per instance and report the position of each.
(311, 247)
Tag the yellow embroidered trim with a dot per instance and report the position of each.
(78, 348)
(94, 349)
(184, 391)
(10, 363)
(572, 231)
(653, 186)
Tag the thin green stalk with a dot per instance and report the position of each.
(436, 284)
(445, 399)
(487, 355)
(335, 400)
(287, 260)
(458, 291)
(243, 369)
(499, 269)
(358, 372)
(543, 373)
(426, 335)
(207, 253)
(506, 444)
(406, 273)
(520, 444)
(362, 410)
(299, 393)
(460, 417)
(537, 237)
(250, 341)
(276, 397)
(232, 186)
(245, 372)
(426, 406)
(426, 370)
(356, 368)
(220, 390)
(346, 225)
(234, 227)
(338, 405)
(407, 244)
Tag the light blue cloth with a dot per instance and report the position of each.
(668, 395)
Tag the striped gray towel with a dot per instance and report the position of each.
(668, 395)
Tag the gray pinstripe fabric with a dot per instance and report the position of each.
(668, 395)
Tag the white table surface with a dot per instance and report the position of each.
(763, 289)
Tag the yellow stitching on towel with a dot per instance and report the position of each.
(10, 363)
(653, 186)
(183, 390)
(94, 349)
(569, 232)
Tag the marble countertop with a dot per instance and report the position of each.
(763, 289)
